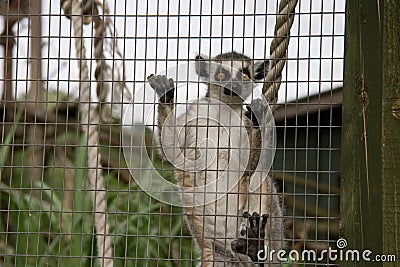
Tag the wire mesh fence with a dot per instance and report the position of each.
(91, 173)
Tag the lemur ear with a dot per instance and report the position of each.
(261, 69)
(202, 66)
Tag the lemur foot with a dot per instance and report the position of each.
(254, 242)
(257, 109)
(163, 86)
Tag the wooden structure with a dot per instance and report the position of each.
(370, 184)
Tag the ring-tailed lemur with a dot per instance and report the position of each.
(216, 226)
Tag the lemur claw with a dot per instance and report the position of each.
(163, 86)
(257, 110)
(254, 242)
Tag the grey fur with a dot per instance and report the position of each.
(216, 227)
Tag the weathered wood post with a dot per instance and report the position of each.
(370, 183)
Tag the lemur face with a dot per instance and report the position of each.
(230, 77)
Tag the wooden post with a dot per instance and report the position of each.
(8, 43)
(370, 183)
(7, 98)
(35, 94)
(391, 130)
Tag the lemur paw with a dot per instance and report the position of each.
(254, 242)
(163, 86)
(257, 109)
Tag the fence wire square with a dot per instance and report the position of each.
(81, 168)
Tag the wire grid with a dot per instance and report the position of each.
(46, 203)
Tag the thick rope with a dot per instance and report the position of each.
(100, 73)
(90, 122)
(278, 50)
(103, 26)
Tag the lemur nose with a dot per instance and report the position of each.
(233, 88)
(236, 85)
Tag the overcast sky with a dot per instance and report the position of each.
(315, 52)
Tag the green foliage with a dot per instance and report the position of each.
(5, 148)
(51, 223)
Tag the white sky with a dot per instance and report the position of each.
(315, 52)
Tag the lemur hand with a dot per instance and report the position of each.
(254, 242)
(257, 109)
(163, 86)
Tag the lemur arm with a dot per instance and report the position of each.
(255, 111)
(254, 134)
(255, 150)
(165, 90)
(253, 242)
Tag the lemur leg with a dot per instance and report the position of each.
(165, 90)
(271, 205)
(196, 226)
(253, 244)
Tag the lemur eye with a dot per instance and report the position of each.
(220, 76)
(245, 77)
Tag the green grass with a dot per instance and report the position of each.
(5, 147)
(43, 231)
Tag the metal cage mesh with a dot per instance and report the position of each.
(48, 204)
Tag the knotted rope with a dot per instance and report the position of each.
(104, 73)
(278, 50)
(90, 123)
(89, 110)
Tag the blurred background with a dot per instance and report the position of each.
(46, 201)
